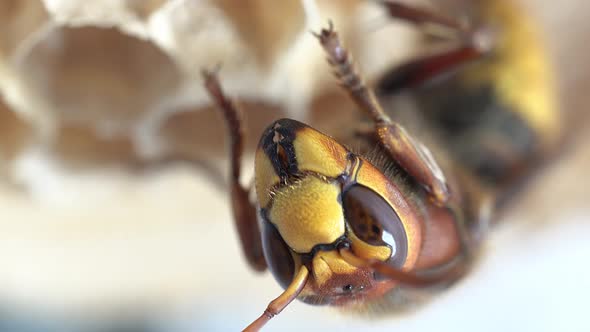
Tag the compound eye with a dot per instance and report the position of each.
(277, 254)
(374, 221)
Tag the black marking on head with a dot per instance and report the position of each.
(341, 242)
(277, 144)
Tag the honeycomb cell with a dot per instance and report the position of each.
(268, 27)
(98, 77)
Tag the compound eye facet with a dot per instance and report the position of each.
(374, 222)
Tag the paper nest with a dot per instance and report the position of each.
(97, 83)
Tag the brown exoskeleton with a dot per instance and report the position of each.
(362, 228)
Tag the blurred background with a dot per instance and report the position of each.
(113, 209)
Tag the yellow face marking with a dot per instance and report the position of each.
(327, 263)
(319, 153)
(372, 178)
(265, 177)
(308, 213)
(367, 251)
